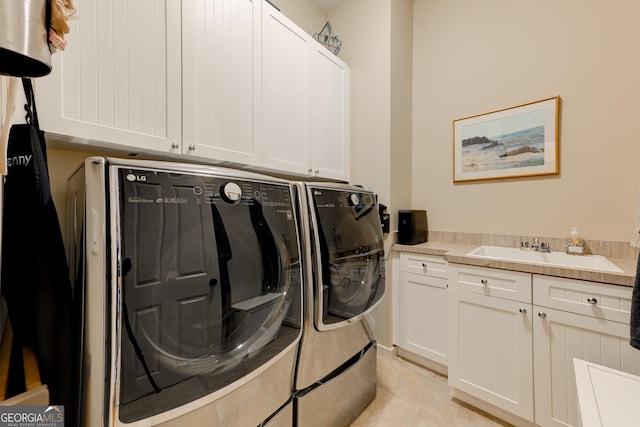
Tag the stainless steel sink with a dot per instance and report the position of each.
(552, 259)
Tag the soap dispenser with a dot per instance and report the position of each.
(575, 243)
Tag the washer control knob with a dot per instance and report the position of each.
(231, 193)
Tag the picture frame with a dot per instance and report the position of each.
(518, 141)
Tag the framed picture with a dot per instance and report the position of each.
(512, 142)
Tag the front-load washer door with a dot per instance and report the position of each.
(348, 252)
(210, 284)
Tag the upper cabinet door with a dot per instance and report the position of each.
(118, 81)
(329, 114)
(214, 80)
(285, 94)
(221, 56)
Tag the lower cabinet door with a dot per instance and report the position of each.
(423, 318)
(490, 350)
(559, 337)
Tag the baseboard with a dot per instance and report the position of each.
(423, 361)
(387, 353)
(490, 409)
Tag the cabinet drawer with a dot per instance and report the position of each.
(433, 266)
(610, 302)
(513, 285)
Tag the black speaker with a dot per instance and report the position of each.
(412, 227)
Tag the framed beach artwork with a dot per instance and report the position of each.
(512, 142)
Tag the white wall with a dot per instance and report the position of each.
(401, 99)
(364, 27)
(376, 43)
(304, 13)
(367, 52)
(472, 57)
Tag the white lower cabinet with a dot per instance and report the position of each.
(423, 306)
(513, 337)
(490, 338)
(579, 326)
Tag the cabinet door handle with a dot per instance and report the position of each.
(309, 171)
(592, 300)
(192, 147)
(523, 310)
(542, 315)
(175, 145)
(484, 282)
(424, 265)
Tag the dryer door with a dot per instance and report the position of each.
(350, 277)
(210, 284)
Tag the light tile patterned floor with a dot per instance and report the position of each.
(409, 395)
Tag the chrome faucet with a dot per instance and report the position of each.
(536, 245)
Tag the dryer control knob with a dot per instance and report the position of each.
(354, 199)
(231, 193)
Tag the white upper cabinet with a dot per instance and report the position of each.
(119, 80)
(212, 80)
(305, 102)
(329, 114)
(285, 94)
(220, 60)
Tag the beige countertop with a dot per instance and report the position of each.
(455, 253)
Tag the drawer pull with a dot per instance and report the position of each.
(542, 315)
(484, 282)
(523, 310)
(592, 300)
(424, 265)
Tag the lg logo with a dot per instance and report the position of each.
(133, 177)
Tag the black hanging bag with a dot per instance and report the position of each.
(35, 279)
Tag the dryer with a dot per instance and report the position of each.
(344, 272)
(190, 279)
